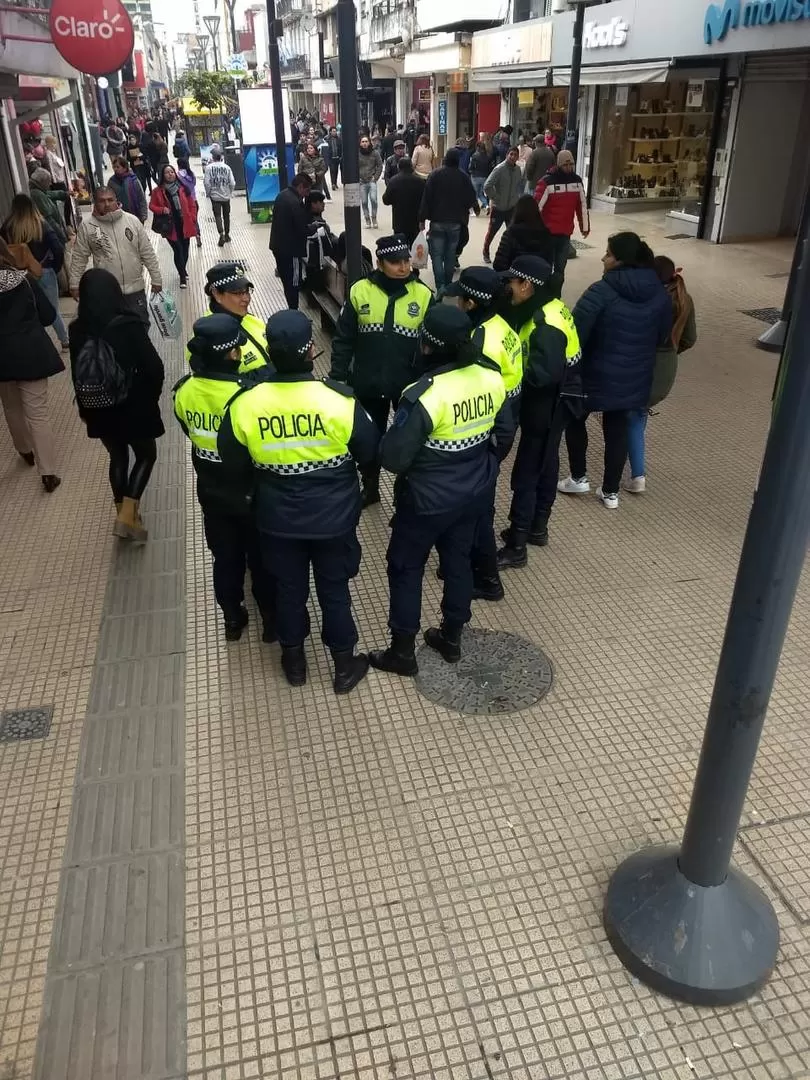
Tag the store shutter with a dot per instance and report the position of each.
(778, 67)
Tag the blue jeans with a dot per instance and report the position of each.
(49, 284)
(368, 200)
(478, 184)
(560, 246)
(636, 426)
(442, 244)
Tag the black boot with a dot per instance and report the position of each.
(513, 554)
(294, 663)
(269, 634)
(349, 670)
(371, 490)
(538, 534)
(445, 640)
(235, 623)
(399, 657)
(487, 587)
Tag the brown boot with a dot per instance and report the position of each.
(128, 524)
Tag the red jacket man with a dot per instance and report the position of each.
(560, 196)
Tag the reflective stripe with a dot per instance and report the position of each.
(458, 444)
(515, 392)
(291, 443)
(206, 455)
(304, 466)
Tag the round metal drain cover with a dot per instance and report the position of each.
(497, 673)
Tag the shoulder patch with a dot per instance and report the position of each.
(180, 382)
(339, 387)
(413, 393)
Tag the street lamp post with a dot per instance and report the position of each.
(572, 119)
(212, 24)
(203, 43)
(350, 165)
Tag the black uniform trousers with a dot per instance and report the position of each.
(412, 537)
(334, 560)
(378, 408)
(233, 541)
(485, 549)
(536, 469)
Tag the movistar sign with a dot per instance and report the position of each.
(747, 13)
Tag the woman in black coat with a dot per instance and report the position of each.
(526, 235)
(136, 422)
(27, 360)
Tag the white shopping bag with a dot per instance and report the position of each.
(419, 252)
(164, 311)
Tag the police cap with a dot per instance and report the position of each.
(445, 328)
(289, 336)
(393, 248)
(227, 277)
(480, 283)
(215, 335)
(529, 268)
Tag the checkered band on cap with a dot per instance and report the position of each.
(526, 277)
(426, 334)
(394, 249)
(217, 283)
(228, 345)
(476, 294)
(298, 467)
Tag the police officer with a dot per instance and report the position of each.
(375, 339)
(552, 393)
(230, 532)
(442, 450)
(478, 291)
(300, 438)
(228, 292)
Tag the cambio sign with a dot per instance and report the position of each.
(734, 14)
(602, 35)
(95, 36)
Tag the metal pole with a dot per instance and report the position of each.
(572, 120)
(350, 166)
(772, 339)
(686, 922)
(282, 122)
(216, 55)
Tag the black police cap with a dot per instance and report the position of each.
(529, 268)
(480, 283)
(289, 332)
(393, 248)
(227, 277)
(445, 327)
(215, 335)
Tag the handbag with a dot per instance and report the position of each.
(162, 224)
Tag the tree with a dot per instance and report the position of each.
(207, 89)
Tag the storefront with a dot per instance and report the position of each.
(438, 72)
(539, 110)
(511, 68)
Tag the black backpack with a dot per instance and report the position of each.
(99, 379)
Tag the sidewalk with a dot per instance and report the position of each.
(207, 873)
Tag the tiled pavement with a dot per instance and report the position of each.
(206, 873)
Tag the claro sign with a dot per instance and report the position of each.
(94, 36)
(745, 14)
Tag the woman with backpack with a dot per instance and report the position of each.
(118, 377)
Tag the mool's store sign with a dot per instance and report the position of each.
(603, 35)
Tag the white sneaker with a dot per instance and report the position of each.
(610, 502)
(570, 486)
(636, 485)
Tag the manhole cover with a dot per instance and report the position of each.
(764, 314)
(497, 673)
(680, 236)
(17, 724)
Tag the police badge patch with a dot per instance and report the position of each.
(413, 309)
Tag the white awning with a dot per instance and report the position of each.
(656, 71)
(489, 79)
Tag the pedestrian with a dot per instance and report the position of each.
(311, 163)
(371, 168)
(117, 242)
(541, 160)
(403, 193)
(464, 154)
(298, 438)
(118, 378)
(503, 188)
(393, 160)
(335, 156)
(181, 147)
(60, 178)
(621, 321)
(447, 201)
(525, 235)
(174, 218)
(116, 139)
(127, 189)
(200, 399)
(683, 337)
(159, 155)
(423, 157)
(387, 144)
(138, 163)
(441, 450)
(229, 293)
(188, 179)
(321, 241)
(551, 395)
(25, 227)
(561, 198)
(478, 294)
(220, 184)
(28, 359)
(373, 344)
(288, 236)
(524, 152)
(480, 168)
(48, 201)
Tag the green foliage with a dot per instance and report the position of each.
(207, 89)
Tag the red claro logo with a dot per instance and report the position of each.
(94, 36)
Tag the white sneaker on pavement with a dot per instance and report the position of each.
(636, 485)
(570, 486)
(609, 501)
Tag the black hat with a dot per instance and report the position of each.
(215, 335)
(445, 328)
(289, 334)
(316, 195)
(227, 277)
(480, 283)
(529, 268)
(393, 248)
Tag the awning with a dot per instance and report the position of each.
(656, 71)
(497, 78)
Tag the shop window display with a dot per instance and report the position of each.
(541, 109)
(653, 143)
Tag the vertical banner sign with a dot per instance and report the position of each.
(94, 36)
(442, 115)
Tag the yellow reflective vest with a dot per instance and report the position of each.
(255, 353)
(370, 302)
(557, 315)
(462, 405)
(504, 347)
(200, 402)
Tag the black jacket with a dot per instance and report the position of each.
(448, 196)
(26, 351)
(523, 240)
(404, 195)
(314, 505)
(335, 147)
(480, 163)
(391, 168)
(544, 368)
(433, 481)
(288, 232)
(139, 416)
(375, 364)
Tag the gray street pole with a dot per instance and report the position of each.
(572, 119)
(212, 25)
(350, 165)
(683, 920)
(282, 122)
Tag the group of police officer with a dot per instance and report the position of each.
(277, 450)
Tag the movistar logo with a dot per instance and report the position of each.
(747, 13)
